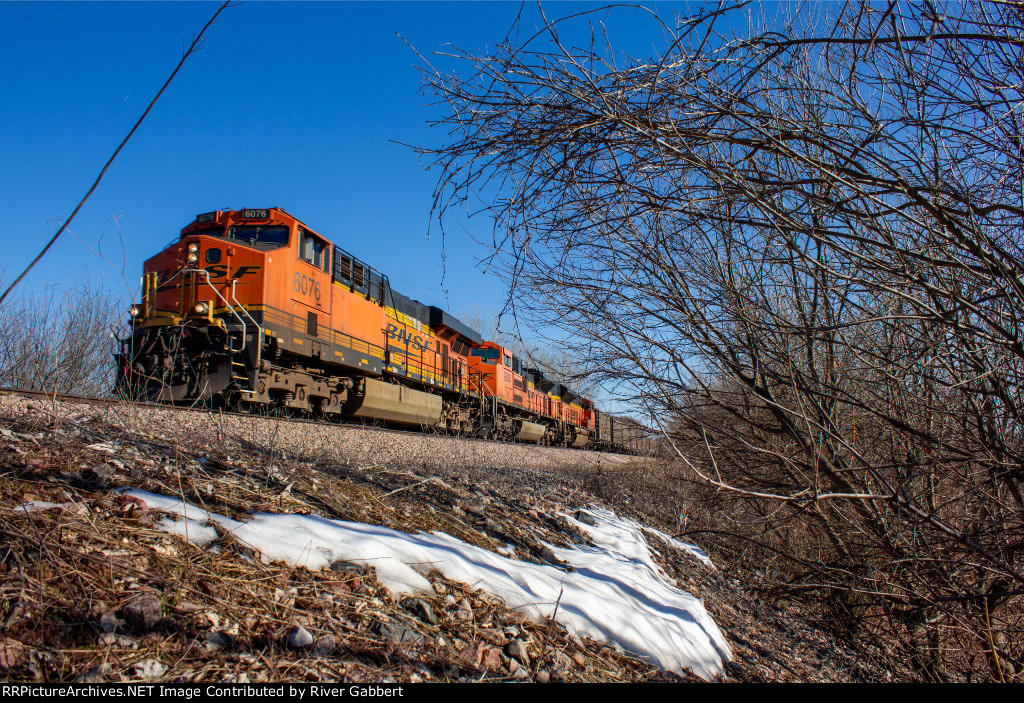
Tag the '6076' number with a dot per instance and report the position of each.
(307, 286)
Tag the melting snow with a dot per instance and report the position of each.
(616, 594)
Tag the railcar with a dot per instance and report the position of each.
(252, 308)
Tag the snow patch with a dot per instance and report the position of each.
(616, 594)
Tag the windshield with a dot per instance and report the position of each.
(276, 235)
(489, 356)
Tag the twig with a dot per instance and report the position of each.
(196, 44)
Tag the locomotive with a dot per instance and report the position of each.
(253, 309)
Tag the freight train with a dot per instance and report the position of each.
(253, 309)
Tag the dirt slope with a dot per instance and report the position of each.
(91, 591)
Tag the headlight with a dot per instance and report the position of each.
(134, 310)
(193, 247)
(201, 308)
(193, 257)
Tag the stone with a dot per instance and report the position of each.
(586, 518)
(542, 676)
(110, 622)
(517, 650)
(564, 662)
(473, 653)
(399, 634)
(95, 674)
(12, 653)
(491, 658)
(325, 645)
(216, 641)
(142, 612)
(347, 566)
(299, 637)
(423, 610)
(150, 669)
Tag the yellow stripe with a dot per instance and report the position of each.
(399, 316)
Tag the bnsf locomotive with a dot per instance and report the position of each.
(253, 309)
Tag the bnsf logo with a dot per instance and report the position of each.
(165, 281)
(221, 270)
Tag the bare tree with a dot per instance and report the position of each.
(60, 339)
(554, 357)
(803, 242)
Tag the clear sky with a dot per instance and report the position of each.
(299, 105)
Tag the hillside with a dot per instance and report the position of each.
(94, 588)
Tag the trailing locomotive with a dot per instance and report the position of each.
(254, 309)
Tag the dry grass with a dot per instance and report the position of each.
(72, 578)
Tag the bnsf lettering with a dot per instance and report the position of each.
(307, 286)
(404, 337)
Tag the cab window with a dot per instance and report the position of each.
(488, 356)
(272, 236)
(314, 251)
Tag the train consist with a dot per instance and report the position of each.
(253, 309)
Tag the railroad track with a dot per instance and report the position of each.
(356, 425)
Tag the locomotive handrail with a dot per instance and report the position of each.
(259, 333)
(231, 307)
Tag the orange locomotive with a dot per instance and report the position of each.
(253, 309)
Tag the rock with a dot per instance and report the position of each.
(465, 611)
(142, 612)
(132, 506)
(399, 634)
(563, 662)
(542, 676)
(517, 650)
(423, 610)
(100, 470)
(549, 556)
(491, 658)
(112, 639)
(325, 645)
(12, 653)
(299, 637)
(216, 641)
(96, 674)
(479, 654)
(110, 622)
(586, 518)
(478, 509)
(493, 636)
(348, 566)
(150, 669)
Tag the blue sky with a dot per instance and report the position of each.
(299, 105)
